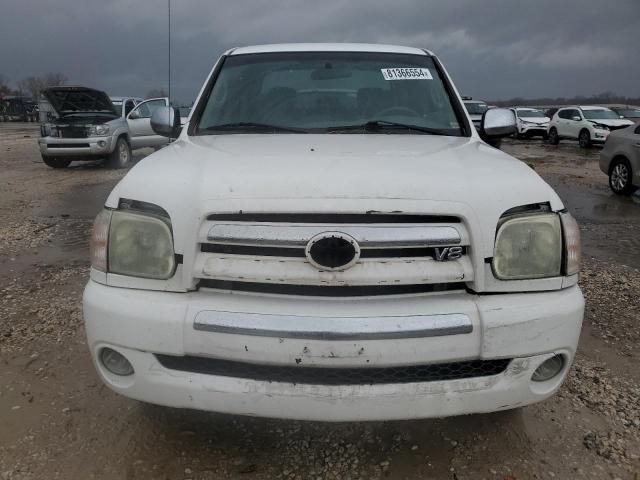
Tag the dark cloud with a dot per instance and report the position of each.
(493, 49)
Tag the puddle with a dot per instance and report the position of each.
(597, 205)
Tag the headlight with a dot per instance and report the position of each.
(98, 130)
(602, 127)
(134, 244)
(528, 246)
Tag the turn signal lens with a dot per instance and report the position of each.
(572, 249)
(99, 237)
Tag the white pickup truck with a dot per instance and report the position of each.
(330, 239)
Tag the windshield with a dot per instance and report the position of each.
(530, 114)
(630, 113)
(600, 114)
(117, 106)
(476, 108)
(323, 91)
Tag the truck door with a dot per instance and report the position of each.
(139, 120)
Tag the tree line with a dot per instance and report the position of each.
(31, 86)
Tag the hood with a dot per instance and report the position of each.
(349, 173)
(67, 100)
(537, 120)
(612, 122)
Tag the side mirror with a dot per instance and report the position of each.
(165, 121)
(134, 114)
(498, 122)
(576, 118)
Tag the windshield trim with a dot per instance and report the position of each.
(454, 99)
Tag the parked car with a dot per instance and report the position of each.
(531, 122)
(475, 108)
(79, 123)
(549, 112)
(330, 239)
(587, 124)
(620, 160)
(17, 109)
(630, 113)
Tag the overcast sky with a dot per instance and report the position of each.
(494, 49)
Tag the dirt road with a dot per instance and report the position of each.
(57, 421)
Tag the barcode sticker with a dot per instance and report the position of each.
(401, 73)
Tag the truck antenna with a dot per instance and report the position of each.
(169, 47)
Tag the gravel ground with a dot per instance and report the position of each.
(57, 421)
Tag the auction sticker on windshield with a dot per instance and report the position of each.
(406, 73)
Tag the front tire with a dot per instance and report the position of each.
(553, 137)
(56, 162)
(584, 139)
(620, 175)
(121, 155)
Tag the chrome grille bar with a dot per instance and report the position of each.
(292, 235)
(333, 328)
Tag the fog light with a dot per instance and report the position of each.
(548, 369)
(115, 362)
(101, 143)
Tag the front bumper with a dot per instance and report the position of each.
(533, 129)
(600, 136)
(76, 147)
(526, 327)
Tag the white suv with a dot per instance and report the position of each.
(587, 124)
(330, 239)
(531, 122)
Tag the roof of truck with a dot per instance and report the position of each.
(327, 47)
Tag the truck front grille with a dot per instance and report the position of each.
(305, 375)
(330, 290)
(270, 253)
(72, 132)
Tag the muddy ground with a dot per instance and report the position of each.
(57, 421)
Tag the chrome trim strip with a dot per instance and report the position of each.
(292, 235)
(332, 328)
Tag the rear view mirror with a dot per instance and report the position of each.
(330, 73)
(165, 121)
(498, 122)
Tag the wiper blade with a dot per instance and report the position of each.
(374, 125)
(251, 127)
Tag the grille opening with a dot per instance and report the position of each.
(329, 290)
(332, 218)
(335, 376)
(68, 145)
(297, 252)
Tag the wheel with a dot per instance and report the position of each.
(553, 137)
(56, 162)
(584, 139)
(121, 155)
(620, 175)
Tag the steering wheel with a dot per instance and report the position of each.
(397, 110)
